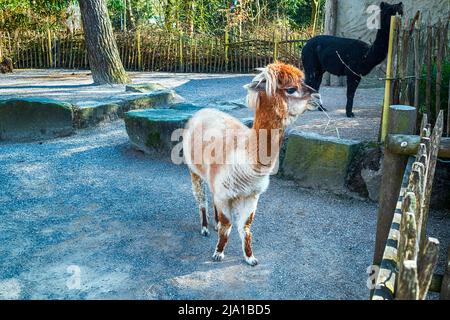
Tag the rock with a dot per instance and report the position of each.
(227, 106)
(365, 173)
(153, 99)
(89, 116)
(28, 119)
(144, 87)
(248, 122)
(151, 130)
(319, 162)
(372, 179)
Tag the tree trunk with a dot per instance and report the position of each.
(130, 16)
(104, 59)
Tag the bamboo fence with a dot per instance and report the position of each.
(155, 51)
(421, 67)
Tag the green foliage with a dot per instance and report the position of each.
(444, 87)
(32, 14)
(204, 16)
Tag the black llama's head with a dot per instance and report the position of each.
(388, 10)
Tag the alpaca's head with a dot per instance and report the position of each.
(388, 10)
(281, 87)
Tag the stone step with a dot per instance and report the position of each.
(89, 115)
(319, 162)
(151, 130)
(29, 119)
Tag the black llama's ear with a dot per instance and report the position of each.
(382, 5)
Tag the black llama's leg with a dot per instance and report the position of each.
(352, 85)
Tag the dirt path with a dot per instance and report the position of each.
(130, 224)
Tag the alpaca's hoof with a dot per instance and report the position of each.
(218, 256)
(251, 261)
(350, 115)
(204, 232)
(321, 108)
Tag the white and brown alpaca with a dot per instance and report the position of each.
(238, 177)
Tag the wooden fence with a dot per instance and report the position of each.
(158, 51)
(421, 67)
(410, 257)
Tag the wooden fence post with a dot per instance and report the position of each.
(275, 46)
(445, 288)
(402, 120)
(180, 43)
(226, 49)
(138, 47)
(1, 46)
(49, 44)
(387, 90)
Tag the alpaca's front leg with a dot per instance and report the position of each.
(245, 210)
(244, 225)
(224, 229)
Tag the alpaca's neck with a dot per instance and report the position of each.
(377, 52)
(269, 120)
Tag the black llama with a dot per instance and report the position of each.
(348, 57)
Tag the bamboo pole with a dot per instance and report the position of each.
(387, 90)
(408, 283)
(445, 287)
(417, 66)
(275, 47)
(138, 45)
(49, 45)
(440, 47)
(429, 53)
(226, 49)
(427, 263)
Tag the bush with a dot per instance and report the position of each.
(444, 88)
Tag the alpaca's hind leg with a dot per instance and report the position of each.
(352, 85)
(199, 190)
(216, 218)
(224, 229)
(246, 212)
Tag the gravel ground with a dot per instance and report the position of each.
(129, 222)
(203, 89)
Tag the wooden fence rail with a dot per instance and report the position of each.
(410, 257)
(160, 51)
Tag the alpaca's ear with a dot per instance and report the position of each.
(382, 5)
(256, 86)
(264, 81)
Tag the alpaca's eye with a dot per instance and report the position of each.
(291, 90)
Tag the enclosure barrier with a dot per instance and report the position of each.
(418, 74)
(409, 257)
(156, 51)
